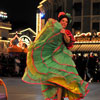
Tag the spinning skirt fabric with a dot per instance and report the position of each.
(50, 64)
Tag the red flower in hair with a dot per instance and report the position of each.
(61, 13)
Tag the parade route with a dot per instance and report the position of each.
(18, 90)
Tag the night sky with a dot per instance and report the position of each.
(21, 13)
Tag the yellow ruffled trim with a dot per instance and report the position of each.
(72, 87)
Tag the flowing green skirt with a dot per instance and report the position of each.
(50, 64)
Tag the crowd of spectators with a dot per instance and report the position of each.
(12, 65)
(88, 67)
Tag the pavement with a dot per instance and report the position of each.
(18, 90)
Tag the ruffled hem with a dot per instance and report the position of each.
(44, 61)
(68, 87)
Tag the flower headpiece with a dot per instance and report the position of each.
(67, 14)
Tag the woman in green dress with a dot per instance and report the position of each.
(49, 62)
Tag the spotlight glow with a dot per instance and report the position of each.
(42, 15)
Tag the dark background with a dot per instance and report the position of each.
(21, 13)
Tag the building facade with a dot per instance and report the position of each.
(85, 13)
(4, 30)
(5, 26)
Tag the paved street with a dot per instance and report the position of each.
(17, 90)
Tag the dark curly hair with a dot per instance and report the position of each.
(63, 16)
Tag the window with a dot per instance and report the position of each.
(77, 26)
(96, 8)
(78, 8)
(95, 26)
(59, 9)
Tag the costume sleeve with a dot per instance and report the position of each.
(72, 40)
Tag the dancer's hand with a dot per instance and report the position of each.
(66, 37)
(62, 31)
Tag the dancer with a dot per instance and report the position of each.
(49, 62)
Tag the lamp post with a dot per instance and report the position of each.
(42, 20)
(40, 16)
(38, 23)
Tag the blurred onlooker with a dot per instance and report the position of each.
(81, 65)
(17, 65)
(91, 63)
(97, 71)
(12, 65)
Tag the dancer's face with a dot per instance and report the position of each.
(64, 22)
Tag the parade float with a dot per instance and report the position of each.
(87, 42)
(19, 41)
(17, 45)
